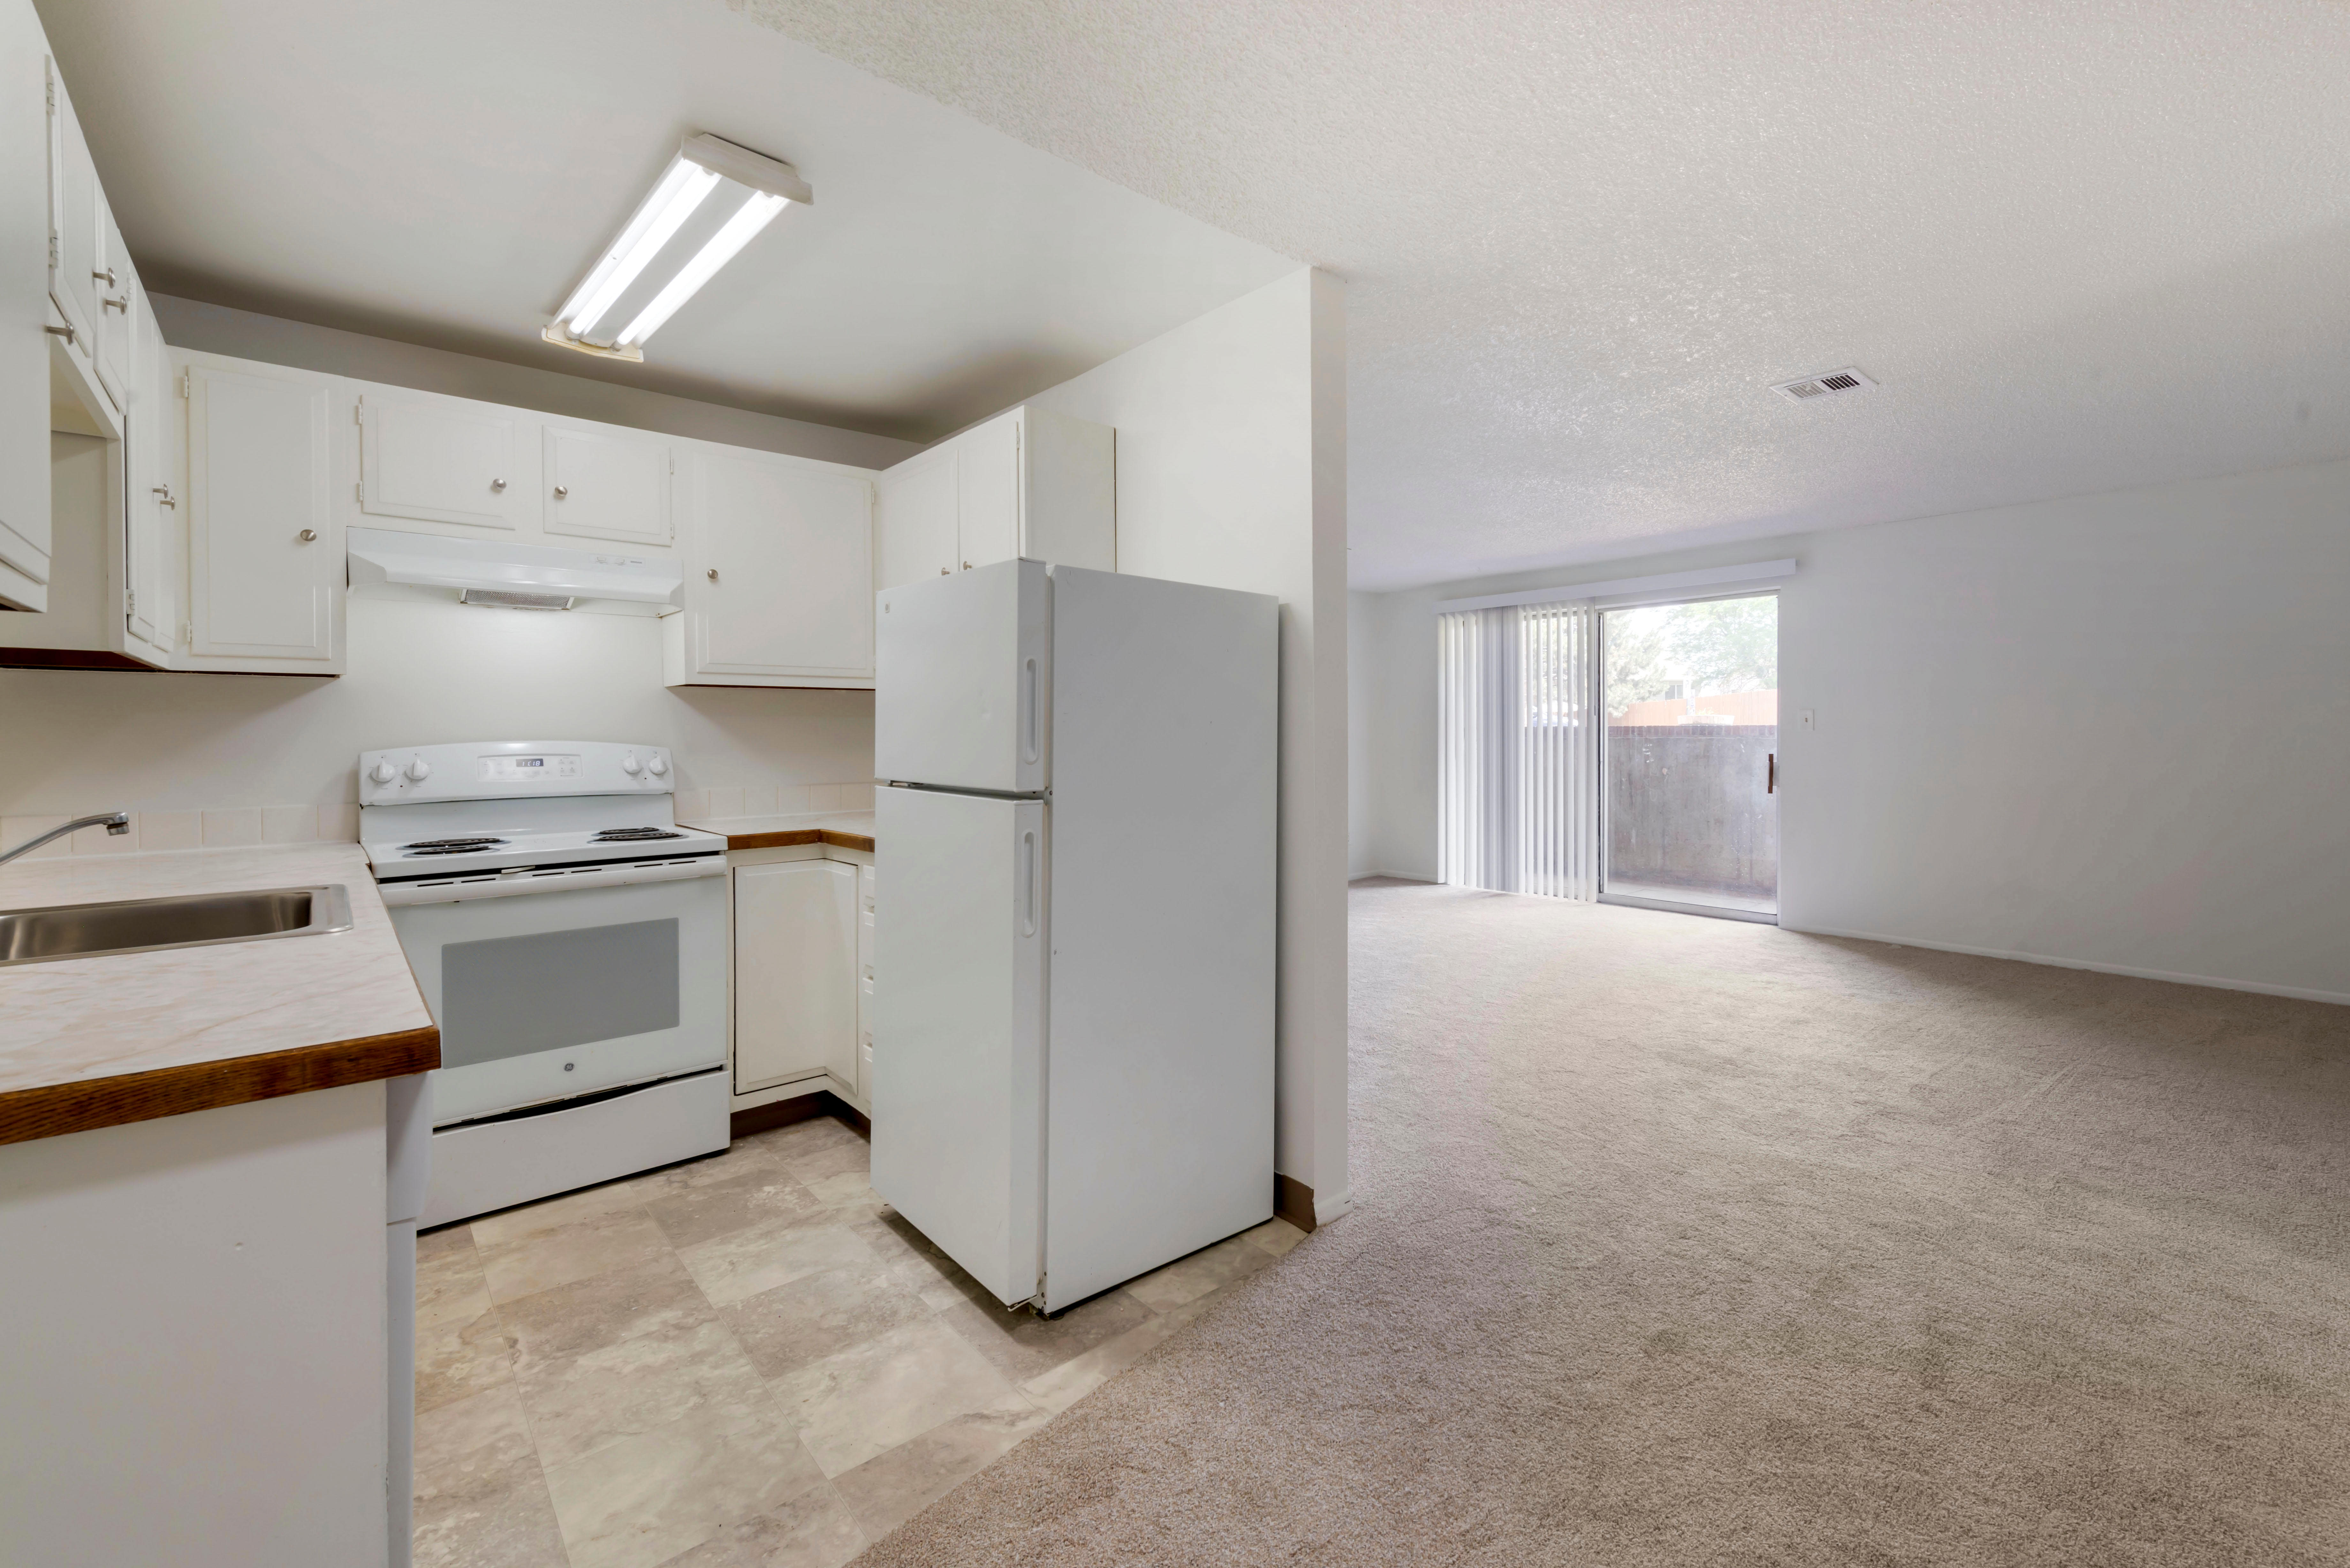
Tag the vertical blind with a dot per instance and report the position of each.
(1519, 772)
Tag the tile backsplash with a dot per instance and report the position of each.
(226, 828)
(230, 827)
(773, 799)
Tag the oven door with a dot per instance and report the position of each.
(548, 996)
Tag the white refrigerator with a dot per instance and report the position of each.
(1074, 921)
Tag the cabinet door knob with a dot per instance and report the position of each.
(163, 497)
(65, 332)
(714, 574)
(106, 277)
(943, 572)
(497, 485)
(561, 491)
(308, 536)
(966, 565)
(110, 302)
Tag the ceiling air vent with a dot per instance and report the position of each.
(1848, 380)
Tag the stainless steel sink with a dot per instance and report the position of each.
(191, 920)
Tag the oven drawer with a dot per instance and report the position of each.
(570, 993)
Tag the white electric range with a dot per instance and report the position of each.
(570, 940)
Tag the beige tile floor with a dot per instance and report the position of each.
(744, 1360)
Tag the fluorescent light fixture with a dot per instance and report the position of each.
(709, 174)
(673, 201)
(755, 215)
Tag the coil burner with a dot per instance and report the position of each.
(451, 845)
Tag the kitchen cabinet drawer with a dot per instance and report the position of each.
(795, 982)
(779, 569)
(605, 484)
(265, 554)
(1029, 484)
(443, 460)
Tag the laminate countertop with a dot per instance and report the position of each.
(97, 1042)
(846, 829)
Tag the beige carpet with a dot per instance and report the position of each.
(1686, 1242)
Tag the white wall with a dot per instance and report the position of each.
(1396, 719)
(82, 740)
(2104, 730)
(1230, 471)
(1361, 691)
(217, 330)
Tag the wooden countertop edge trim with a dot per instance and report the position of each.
(87, 1104)
(790, 836)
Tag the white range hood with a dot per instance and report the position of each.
(385, 564)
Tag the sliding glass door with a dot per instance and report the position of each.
(1689, 764)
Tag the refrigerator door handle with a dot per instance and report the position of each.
(1028, 876)
(1032, 742)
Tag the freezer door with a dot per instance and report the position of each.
(959, 1027)
(962, 680)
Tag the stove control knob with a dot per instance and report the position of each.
(383, 773)
(660, 765)
(629, 763)
(419, 769)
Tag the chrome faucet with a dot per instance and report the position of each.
(116, 823)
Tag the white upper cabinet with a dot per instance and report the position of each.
(779, 554)
(117, 301)
(443, 460)
(150, 531)
(914, 515)
(265, 552)
(75, 268)
(1029, 484)
(602, 483)
(24, 349)
(987, 492)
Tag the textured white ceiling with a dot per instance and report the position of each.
(2082, 246)
(444, 172)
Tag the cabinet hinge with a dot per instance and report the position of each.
(131, 601)
(187, 383)
(358, 412)
(358, 491)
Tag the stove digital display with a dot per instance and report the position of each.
(528, 770)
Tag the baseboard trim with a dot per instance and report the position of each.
(1328, 1208)
(1292, 1200)
(799, 1108)
(2214, 983)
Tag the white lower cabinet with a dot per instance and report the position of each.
(265, 549)
(796, 972)
(865, 983)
